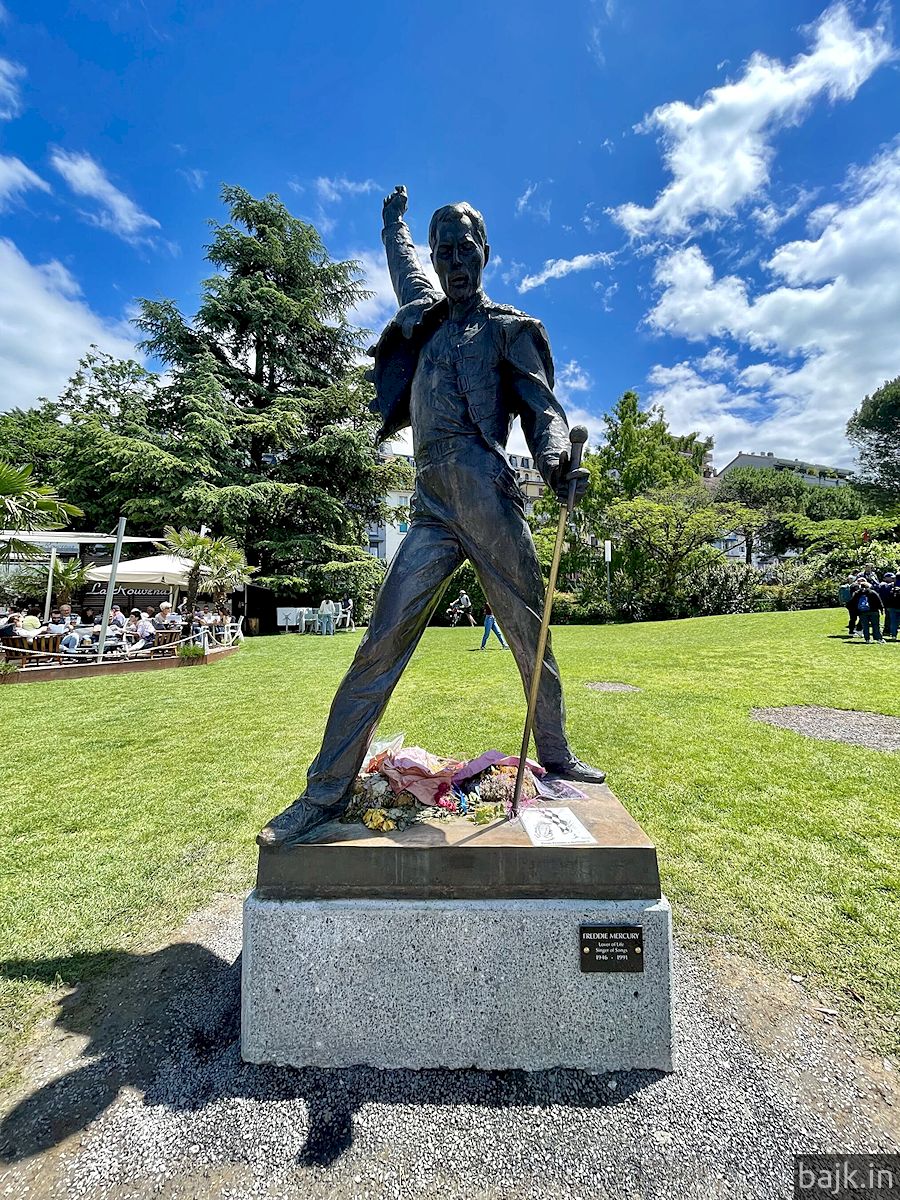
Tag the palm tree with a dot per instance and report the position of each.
(226, 566)
(26, 506)
(229, 571)
(69, 576)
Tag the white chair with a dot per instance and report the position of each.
(310, 619)
(342, 620)
(234, 632)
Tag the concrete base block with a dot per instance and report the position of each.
(491, 984)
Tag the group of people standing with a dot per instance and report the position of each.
(867, 598)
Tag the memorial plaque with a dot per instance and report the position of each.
(611, 948)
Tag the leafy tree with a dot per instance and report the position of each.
(69, 576)
(769, 494)
(822, 536)
(218, 563)
(639, 455)
(260, 429)
(34, 436)
(874, 429)
(26, 506)
(662, 535)
(264, 378)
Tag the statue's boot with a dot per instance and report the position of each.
(297, 820)
(575, 771)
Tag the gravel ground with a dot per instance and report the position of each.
(158, 1102)
(612, 687)
(875, 731)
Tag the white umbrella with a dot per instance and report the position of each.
(169, 570)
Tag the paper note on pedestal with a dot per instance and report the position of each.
(555, 827)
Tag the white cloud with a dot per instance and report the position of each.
(532, 203)
(16, 178)
(330, 191)
(572, 377)
(769, 217)
(375, 312)
(45, 327)
(607, 292)
(118, 213)
(603, 11)
(826, 330)
(592, 217)
(194, 177)
(11, 74)
(558, 268)
(719, 152)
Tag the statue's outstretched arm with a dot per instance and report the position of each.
(407, 277)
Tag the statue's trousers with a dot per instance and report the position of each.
(465, 506)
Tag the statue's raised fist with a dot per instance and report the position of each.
(395, 204)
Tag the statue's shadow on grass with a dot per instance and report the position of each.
(168, 1025)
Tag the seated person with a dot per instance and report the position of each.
(117, 617)
(31, 623)
(68, 617)
(10, 624)
(146, 633)
(60, 627)
(167, 619)
(130, 627)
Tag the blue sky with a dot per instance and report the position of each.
(705, 209)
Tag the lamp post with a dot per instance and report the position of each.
(110, 588)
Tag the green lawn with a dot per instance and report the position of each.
(127, 802)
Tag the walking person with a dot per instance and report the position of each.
(490, 623)
(869, 606)
(464, 604)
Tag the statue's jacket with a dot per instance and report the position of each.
(503, 362)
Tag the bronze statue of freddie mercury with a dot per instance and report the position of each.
(457, 368)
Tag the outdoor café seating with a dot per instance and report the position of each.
(28, 651)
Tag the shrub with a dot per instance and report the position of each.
(796, 584)
(190, 650)
(564, 604)
(718, 586)
(592, 610)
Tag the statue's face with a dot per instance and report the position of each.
(458, 259)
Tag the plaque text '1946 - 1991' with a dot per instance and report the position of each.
(612, 948)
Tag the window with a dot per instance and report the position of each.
(404, 526)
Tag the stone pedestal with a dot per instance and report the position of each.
(450, 945)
